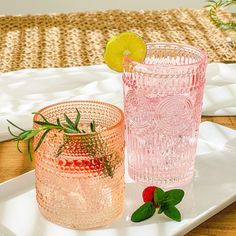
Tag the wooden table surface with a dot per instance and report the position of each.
(13, 164)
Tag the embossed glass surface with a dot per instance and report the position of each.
(80, 177)
(163, 101)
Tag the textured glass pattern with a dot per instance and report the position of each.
(163, 101)
(80, 178)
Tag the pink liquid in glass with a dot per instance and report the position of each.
(163, 101)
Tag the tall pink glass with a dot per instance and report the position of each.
(163, 102)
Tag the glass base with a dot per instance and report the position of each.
(75, 224)
(160, 181)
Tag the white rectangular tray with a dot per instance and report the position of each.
(213, 188)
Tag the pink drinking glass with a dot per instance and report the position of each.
(163, 101)
(80, 177)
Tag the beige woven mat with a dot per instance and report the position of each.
(78, 39)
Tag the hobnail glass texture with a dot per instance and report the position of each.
(80, 177)
(163, 101)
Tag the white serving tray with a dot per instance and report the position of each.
(213, 188)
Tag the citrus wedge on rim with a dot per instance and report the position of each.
(124, 44)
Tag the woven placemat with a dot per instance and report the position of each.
(76, 39)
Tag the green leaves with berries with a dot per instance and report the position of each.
(154, 198)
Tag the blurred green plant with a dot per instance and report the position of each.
(215, 8)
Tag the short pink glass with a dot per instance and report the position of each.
(80, 177)
(163, 102)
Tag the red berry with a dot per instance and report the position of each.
(92, 167)
(87, 167)
(96, 161)
(77, 162)
(97, 167)
(67, 168)
(148, 193)
(87, 162)
(82, 168)
(69, 162)
(77, 168)
(62, 162)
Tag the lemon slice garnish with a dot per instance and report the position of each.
(125, 44)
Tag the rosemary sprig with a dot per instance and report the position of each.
(68, 128)
(43, 126)
(214, 6)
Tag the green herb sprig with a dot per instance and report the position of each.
(70, 127)
(214, 6)
(45, 126)
(166, 201)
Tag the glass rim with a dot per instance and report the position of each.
(117, 124)
(202, 58)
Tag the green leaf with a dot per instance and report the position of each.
(207, 6)
(32, 133)
(213, 1)
(67, 129)
(43, 117)
(42, 123)
(41, 139)
(166, 204)
(71, 131)
(173, 213)
(17, 146)
(77, 119)
(15, 125)
(161, 209)
(174, 195)
(9, 130)
(23, 135)
(69, 122)
(92, 126)
(159, 195)
(108, 168)
(58, 122)
(29, 150)
(144, 212)
(48, 126)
